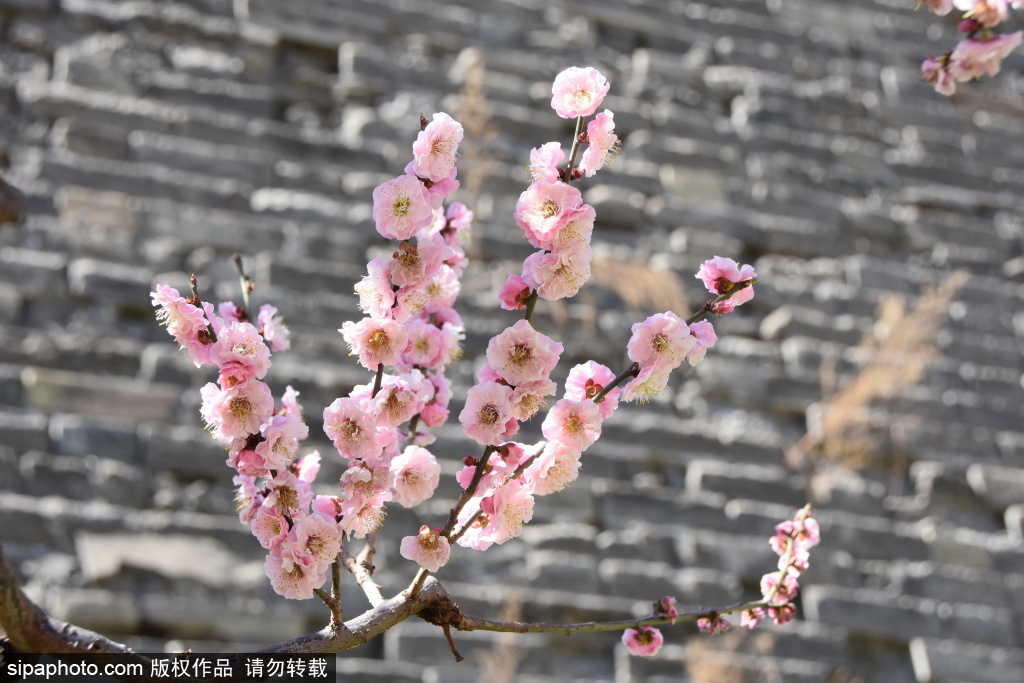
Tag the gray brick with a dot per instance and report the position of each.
(873, 613)
(949, 661)
(72, 392)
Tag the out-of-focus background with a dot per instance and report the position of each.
(877, 373)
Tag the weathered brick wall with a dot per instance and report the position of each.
(155, 138)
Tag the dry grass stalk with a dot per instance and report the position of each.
(895, 354)
(474, 113)
(640, 286)
(501, 664)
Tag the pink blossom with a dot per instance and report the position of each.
(520, 354)
(429, 549)
(459, 218)
(515, 293)
(396, 402)
(234, 373)
(327, 505)
(643, 641)
(273, 329)
(666, 607)
(364, 491)
(241, 343)
(713, 624)
(940, 7)
(502, 516)
(314, 539)
(987, 13)
(559, 274)
(353, 432)
(435, 413)
(417, 474)
(651, 381)
(528, 397)
(288, 495)
(441, 290)
(231, 312)
(486, 413)
(543, 209)
(238, 411)
(973, 58)
(751, 618)
(578, 92)
(663, 341)
(544, 162)
(308, 467)
(578, 228)
(576, 424)
(376, 342)
(784, 591)
(184, 321)
(248, 499)
(588, 380)
(441, 190)
(436, 147)
(290, 402)
(721, 274)
(602, 143)
(782, 614)
(704, 337)
(292, 577)
(401, 206)
(412, 263)
(281, 437)
(269, 528)
(246, 460)
(555, 468)
(376, 297)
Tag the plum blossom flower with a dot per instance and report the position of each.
(560, 273)
(288, 495)
(940, 7)
(417, 474)
(751, 618)
(272, 328)
(315, 539)
(376, 342)
(713, 624)
(576, 424)
(721, 274)
(248, 498)
(401, 206)
(376, 298)
(544, 208)
(578, 228)
(414, 262)
(241, 343)
(602, 143)
(973, 58)
(704, 336)
(663, 341)
(184, 321)
(528, 397)
(666, 607)
(269, 527)
(650, 382)
(365, 490)
(436, 147)
(290, 576)
(502, 516)
(238, 411)
(515, 293)
(399, 399)
(429, 549)
(578, 92)
(353, 431)
(281, 437)
(555, 468)
(520, 354)
(486, 413)
(308, 467)
(642, 641)
(588, 380)
(544, 161)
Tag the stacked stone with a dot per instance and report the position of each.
(153, 139)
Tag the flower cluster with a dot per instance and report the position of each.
(980, 52)
(410, 325)
(792, 542)
(262, 440)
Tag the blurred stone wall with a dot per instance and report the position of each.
(155, 138)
